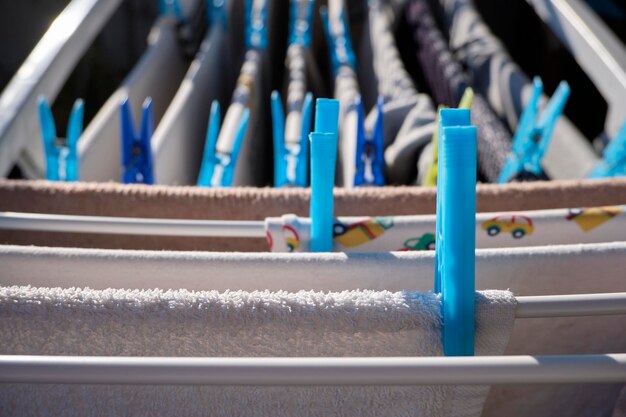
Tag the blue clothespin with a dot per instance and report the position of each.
(338, 38)
(256, 24)
(61, 156)
(456, 233)
(301, 22)
(221, 149)
(291, 144)
(533, 135)
(216, 13)
(613, 163)
(171, 8)
(370, 160)
(218, 166)
(136, 149)
(447, 118)
(323, 163)
(291, 152)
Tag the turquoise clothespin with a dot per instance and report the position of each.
(137, 149)
(61, 156)
(447, 118)
(456, 234)
(613, 163)
(218, 166)
(291, 144)
(216, 13)
(323, 161)
(533, 135)
(291, 157)
(370, 160)
(338, 38)
(221, 149)
(301, 22)
(171, 8)
(256, 24)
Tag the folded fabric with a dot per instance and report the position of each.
(290, 233)
(71, 321)
(508, 89)
(447, 81)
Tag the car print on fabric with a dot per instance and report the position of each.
(590, 218)
(292, 238)
(424, 242)
(356, 234)
(517, 225)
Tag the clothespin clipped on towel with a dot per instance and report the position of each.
(533, 134)
(136, 148)
(291, 144)
(61, 155)
(222, 147)
(613, 163)
(455, 230)
(323, 161)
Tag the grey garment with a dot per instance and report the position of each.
(408, 116)
(508, 89)
(401, 157)
(448, 82)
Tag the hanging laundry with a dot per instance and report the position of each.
(290, 131)
(448, 81)
(507, 88)
(408, 116)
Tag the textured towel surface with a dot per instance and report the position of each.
(110, 199)
(72, 321)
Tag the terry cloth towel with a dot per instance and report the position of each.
(408, 116)
(448, 82)
(508, 89)
(57, 321)
(290, 233)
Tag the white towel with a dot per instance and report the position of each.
(56, 321)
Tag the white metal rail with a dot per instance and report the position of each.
(314, 371)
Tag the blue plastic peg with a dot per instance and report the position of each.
(447, 118)
(323, 164)
(218, 167)
(613, 162)
(370, 160)
(136, 148)
(534, 133)
(458, 219)
(61, 156)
